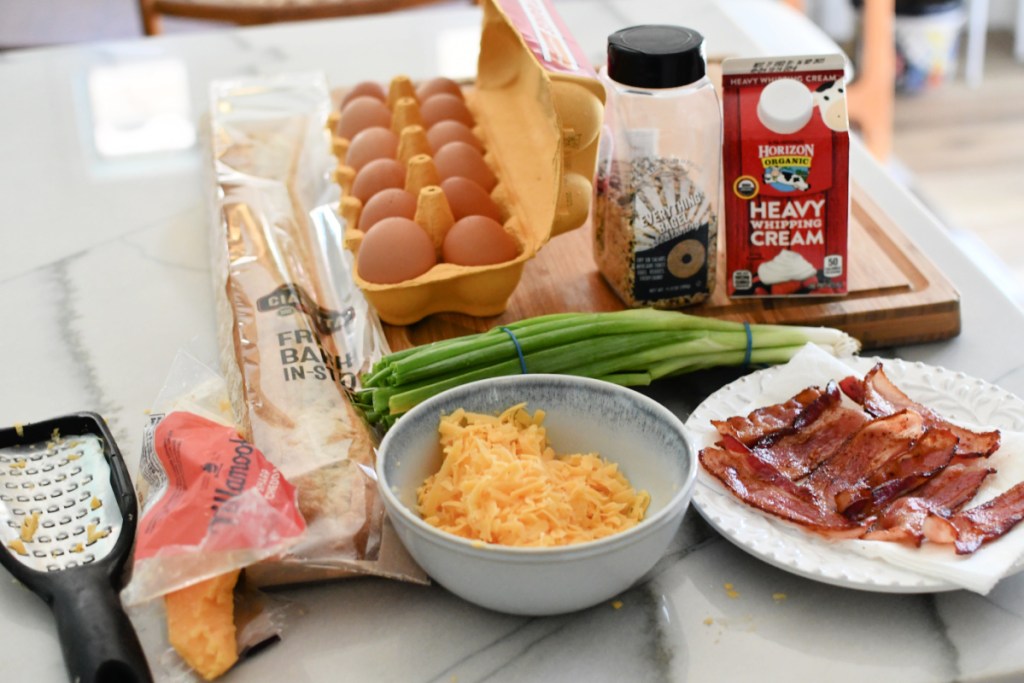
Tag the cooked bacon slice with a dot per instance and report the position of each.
(881, 397)
(927, 457)
(969, 529)
(944, 494)
(759, 484)
(871, 447)
(798, 454)
(767, 420)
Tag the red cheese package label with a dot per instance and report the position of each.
(216, 493)
(786, 172)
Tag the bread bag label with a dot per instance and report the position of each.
(786, 173)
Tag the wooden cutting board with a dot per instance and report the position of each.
(896, 295)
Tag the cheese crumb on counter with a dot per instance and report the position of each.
(502, 483)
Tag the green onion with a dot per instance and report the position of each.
(632, 348)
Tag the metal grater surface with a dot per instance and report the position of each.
(57, 506)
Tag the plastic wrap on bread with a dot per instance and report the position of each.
(294, 333)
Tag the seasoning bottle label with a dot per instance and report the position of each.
(655, 230)
(671, 222)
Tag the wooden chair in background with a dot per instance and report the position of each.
(249, 12)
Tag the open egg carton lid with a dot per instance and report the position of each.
(538, 108)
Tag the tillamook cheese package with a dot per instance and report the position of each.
(786, 168)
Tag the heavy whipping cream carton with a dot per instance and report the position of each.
(786, 171)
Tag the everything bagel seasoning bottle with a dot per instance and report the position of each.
(656, 203)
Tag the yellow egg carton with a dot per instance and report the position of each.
(538, 108)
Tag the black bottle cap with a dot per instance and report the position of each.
(653, 56)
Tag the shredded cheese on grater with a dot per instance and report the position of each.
(500, 482)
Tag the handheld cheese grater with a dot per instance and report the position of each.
(67, 523)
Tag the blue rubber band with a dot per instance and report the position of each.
(519, 349)
(750, 345)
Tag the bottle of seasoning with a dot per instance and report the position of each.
(656, 204)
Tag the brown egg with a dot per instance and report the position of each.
(444, 107)
(394, 251)
(477, 241)
(457, 159)
(377, 175)
(436, 86)
(443, 132)
(466, 198)
(369, 144)
(367, 89)
(361, 113)
(390, 203)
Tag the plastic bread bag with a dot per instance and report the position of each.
(210, 505)
(294, 331)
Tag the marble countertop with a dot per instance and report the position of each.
(104, 277)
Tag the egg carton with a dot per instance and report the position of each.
(537, 109)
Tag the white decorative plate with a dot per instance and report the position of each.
(953, 394)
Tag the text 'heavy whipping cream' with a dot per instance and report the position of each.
(786, 168)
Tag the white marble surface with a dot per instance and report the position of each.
(104, 276)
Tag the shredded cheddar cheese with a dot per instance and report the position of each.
(18, 546)
(500, 482)
(94, 533)
(29, 525)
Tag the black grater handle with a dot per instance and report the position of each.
(98, 640)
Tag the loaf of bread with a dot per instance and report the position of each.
(293, 334)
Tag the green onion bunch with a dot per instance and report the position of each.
(633, 347)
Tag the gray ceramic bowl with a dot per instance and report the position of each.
(583, 415)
